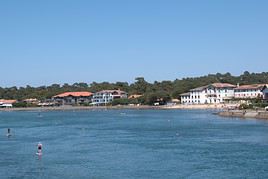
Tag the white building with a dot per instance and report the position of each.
(7, 103)
(249, 91)
(107, 96)
(210, 94)
(185, 98)
(265, 92)
(73, 98)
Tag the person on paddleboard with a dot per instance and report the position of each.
(8, 132)
(39, 148)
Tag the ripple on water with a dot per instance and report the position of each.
(132, 144)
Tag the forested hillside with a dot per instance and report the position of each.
(164, 89)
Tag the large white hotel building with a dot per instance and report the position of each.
(220, 92)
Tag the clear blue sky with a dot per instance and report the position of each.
(59, 41)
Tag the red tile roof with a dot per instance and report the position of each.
(7, 101)
(119, 92)
(74, 94)
(215, 85)
(134, 96)
(254, 86)
(223, 85)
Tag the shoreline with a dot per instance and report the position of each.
(223, 109)
(141, 107)
(67, 108)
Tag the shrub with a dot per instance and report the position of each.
(245, 106)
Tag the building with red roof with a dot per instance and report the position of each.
(210, 94)
(249, 91)
(73, 98)
(222, 92)
(7, 103)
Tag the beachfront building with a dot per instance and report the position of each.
(31, 101)
(134, 96)
(73, 98)
(210, 94)
(185, 98)
(107, 96)
(265, 92)
(249, 91)
(4, 103)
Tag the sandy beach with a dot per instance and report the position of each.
(179, 106)
(62, 108)
(201, 106)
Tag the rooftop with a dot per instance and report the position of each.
(223, 85)
(74, 94)
(185, 94)
(215, 85)
(7, 101)
(134, 96)
(254, 86)
(199, 88)
(112, 91)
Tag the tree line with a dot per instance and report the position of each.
(152, 92)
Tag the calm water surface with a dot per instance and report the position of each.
(132, 144)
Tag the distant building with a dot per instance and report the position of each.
(107, 96)
(174, 100)
(31, 101)
(249, 91)
(46, 104)
(265, 92)
(4, 103)
(134, 96)
(210, 94)
(73, 98)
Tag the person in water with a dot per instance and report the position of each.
(39, 148)
(8, 132)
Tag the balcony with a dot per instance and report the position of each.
(211, 95)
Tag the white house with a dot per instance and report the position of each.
(210, 94)
(107, 96)
(249, 91)
(7, 103)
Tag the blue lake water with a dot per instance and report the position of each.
(132, 144)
